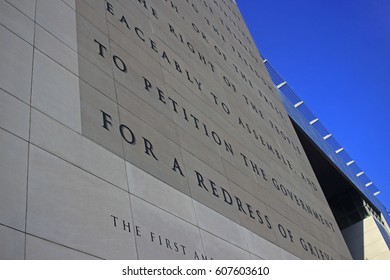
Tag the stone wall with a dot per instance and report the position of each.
(136, 129)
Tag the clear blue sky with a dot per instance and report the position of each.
(336, 57)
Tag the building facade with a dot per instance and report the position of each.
(139, 129)
(353, 197)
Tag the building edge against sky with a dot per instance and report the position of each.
(365, 225)
(309, 44)
(366, 239)
(152, 130)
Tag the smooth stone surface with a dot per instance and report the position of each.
(25, 6)
(160, 194)
(179, 239)
(56, 92)
(56, 50)
(59, 19)
(222, 250)
(16, 63)
(71, 207)
(13, 180)
(11, 244)
(17, 22)
(71, 146)
(14, 115)
(40, 249)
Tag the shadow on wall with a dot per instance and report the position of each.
(367, 239)
(354, 237)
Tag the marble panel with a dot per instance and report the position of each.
(220, 226)
(222, 250)
(59, 19)
(55, 92)
(163, 196)
(71, 207)
(40, 249)
(25, 6)
(16, 63)
(11, 244)
(152, 152)
(14, 115)
(70, 146)
(56, 50)
(13, 180)
(16, 21)
(161, 235)
(100, 119)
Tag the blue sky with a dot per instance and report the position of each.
(336, 57)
